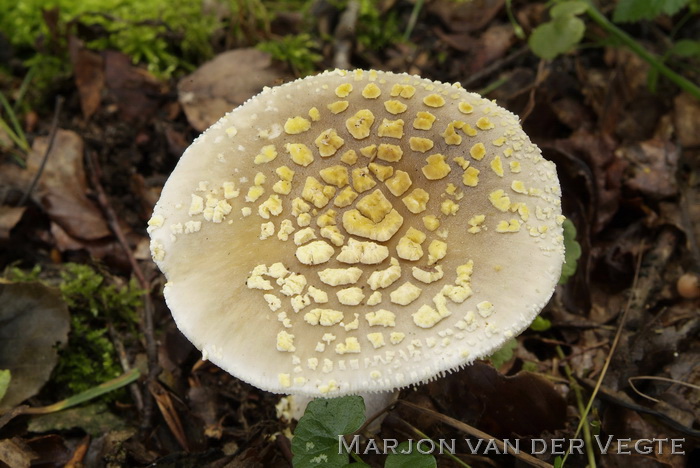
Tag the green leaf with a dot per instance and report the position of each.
(540, 324)
(573, 252)
(558, 462)
(504, 354)
(557, 37)
(572, 8)
(686, 48)
(5, 377)
(629, 11)
(315, 442)
(407, 456)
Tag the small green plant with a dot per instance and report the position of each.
(377, 30)
(17, 143)
(5, 378)
(90, 358)
(566, 29)
(248, 18)
(167, 35)
(503, 354)
(573, 252)
(318, 438)
(297, 50)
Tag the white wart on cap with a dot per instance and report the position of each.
(358, 231)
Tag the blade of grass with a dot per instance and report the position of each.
(613, 347)
(24, 87)
(109, 386)
(17, 134)
(590, 454)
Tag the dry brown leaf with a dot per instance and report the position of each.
(524, 404)
(687, 119)
(492, 45)
(62, 189)
(170, 414)
(653, 167)
(9, 217)
(88, 68)
(15, 453)
(33, 321)
(135, 92)
(224, 83)
(465, 16)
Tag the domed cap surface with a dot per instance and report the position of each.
(357, 231)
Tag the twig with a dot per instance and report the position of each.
(147, 322)
(660, 379)
(472, 431)
(498, 64)
(344, 35)
(44, 160)
(423, 435)
(121, 352)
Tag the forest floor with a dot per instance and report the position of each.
(105, 140)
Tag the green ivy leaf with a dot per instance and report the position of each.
(540, 324)
(562, 33)
(504, 354)
(5, 377)
(629, 11)
(686, 48)
(573, 252)
(315, 442)
(407, 456)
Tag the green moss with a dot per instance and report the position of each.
(298, 50)
(167, 35)
(97, 302)
(90, 357)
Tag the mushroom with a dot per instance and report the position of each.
(357, 231)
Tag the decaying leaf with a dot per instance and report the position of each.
(653, 164)
(223, 83)
(88, 68)
(15, 453)
(95, 419)
(62, 189)
(524, 404)
(34, 321)
(9, 217)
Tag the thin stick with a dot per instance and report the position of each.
(423, 435)
(49, 147)
(147, 322)
(472, 431)
(660, 379)
(345, 35)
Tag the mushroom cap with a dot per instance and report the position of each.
(357, 231)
